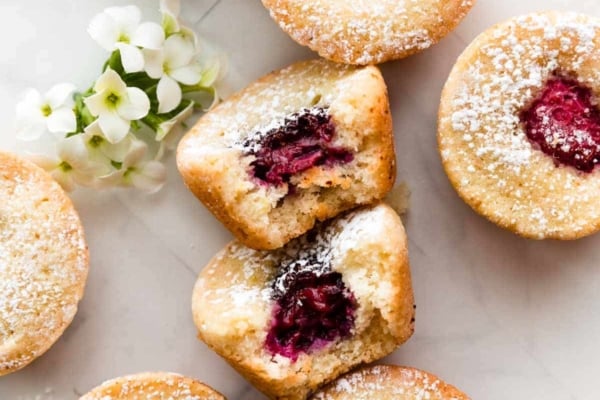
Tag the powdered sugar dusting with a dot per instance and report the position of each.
(261, 277)
(482, 139)
(266, 103)
(238, 291)
(311, 252)
(389, 381)
(314, 251)
(43, 263)
(367, 31)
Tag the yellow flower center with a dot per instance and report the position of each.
(46, 110)
(112, 100)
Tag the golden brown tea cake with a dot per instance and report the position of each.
(519, 125)
(389, 382)
(367, 31)
(153, 386)
(43, 262)
(298, 146)
(292, 319)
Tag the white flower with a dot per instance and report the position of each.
(116, 105)
(136, 170)
(209, 88)
(120, 28)
(114, 149)
(170, 10)
(213, 71)
(73, 165)
(37, 114)
(100, 148)
(175, 62)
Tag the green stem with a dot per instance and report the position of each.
(82, 114)
(114, 62)
(153, 121)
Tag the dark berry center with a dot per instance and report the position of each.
(564, 122)
(312, 311)
(302, 142)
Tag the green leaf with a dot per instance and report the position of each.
(114, 62)
(135, 125)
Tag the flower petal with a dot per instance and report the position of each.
(114, 127)
(117, 151)
(110, 180)
(93, 129)
(148, 35)
(104, 30)
(110, 81)
(30, 123)
(172, 7)
(153, 63)
(84, 178)
(60, 95)
(170, 24)
(126, 18)
(44, 161)
(131, 57)
(31, 127)
(31, 99)
(188, 75)
(135, 155)
(62, 120)
(64, 179)
(97, 167)
(168, 93)
(211, 72)
(136, 105)
(190, 35)
(178, 51)
(150, 178)
(96, 103)
(73, 151)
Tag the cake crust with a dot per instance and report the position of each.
(215, 168)
(153, 386)
(367, 32)
(232, 304)
(483, 145)
(43, 262)
(389, 382)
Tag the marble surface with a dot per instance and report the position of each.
(498, 316)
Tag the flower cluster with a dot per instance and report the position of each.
(116, 132)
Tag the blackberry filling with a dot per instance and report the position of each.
(564, 122)
(313, 305)
(303, 141)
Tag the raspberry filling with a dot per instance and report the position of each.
(565, 123)
(302, 142)
(313, 310)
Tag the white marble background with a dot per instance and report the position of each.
(498, 316)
